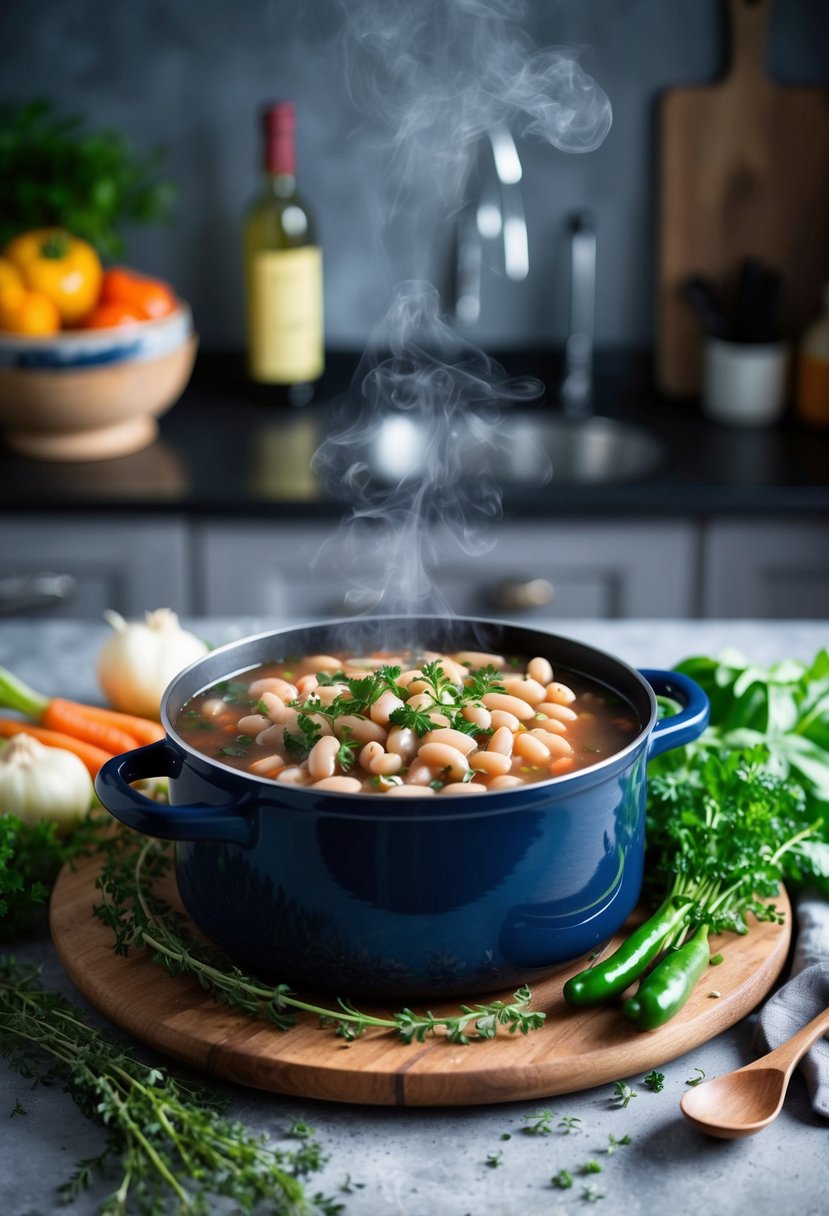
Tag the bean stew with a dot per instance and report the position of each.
(410, 724)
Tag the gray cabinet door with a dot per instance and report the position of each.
(542, 570)
(129, 565)
(764, 569)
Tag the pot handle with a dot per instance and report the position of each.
(691, 720)
(198, 821)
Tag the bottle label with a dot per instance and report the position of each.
(285, 315)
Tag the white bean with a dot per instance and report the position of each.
(403, 742)
(288, 692)
(507, 782)
(556, 745)
(305, 685)
(560, 694)
(501, 741)
(540, 669)
(479, 714)
(494, 764)
(322, 758)
(440, 756)
(462, 787)
(362, 729)
(419, 774)
(386, 764)
(455, 738)
(531, 748)
(409, 791)
(253, 724)
(477, 658)
(268, 766)
(370, 752)
(408, 676)
(499, 718)
(339, 785)
(384, 707)
(553, 709)
(212, 707)
(322, 662)
(293, 775)
(512, 705)
(528, 690)
(552, 725)
(275, 707)
(326, 693)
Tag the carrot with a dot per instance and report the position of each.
(93, 757)
(69, 718)
(105, 728)
(143, 730)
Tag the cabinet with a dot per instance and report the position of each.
(533, 569)
(129, 564)
(768, 570)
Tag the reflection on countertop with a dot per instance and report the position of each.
(224, 450)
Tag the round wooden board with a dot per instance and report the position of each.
(571, 1051)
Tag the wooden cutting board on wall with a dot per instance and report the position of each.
(744, 173)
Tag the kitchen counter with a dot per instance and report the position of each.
(419, 1162)
(224, 451)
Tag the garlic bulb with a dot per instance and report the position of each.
(140, 659)
(38, 782)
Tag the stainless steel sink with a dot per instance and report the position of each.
(519, 449)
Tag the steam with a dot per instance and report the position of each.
(432, 76)
(412, 454)
(413, 458)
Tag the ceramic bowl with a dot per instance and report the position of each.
(399, 898)
(93, 394)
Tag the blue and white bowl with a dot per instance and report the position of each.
(93, 394)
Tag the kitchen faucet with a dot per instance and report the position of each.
(576, 394)
(495, 214)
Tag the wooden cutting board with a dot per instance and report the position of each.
(571, 1052)
(744, 173)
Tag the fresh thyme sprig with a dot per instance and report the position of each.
(139, 917)
(172, 1144)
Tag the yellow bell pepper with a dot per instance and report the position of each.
(61, 267)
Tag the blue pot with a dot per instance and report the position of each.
(368, 896)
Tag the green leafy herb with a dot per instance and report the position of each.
(298, 746)
(139, 917)
(563, 1180)
(540, 1123)
(569, 1125)
(613, 1143)
(591, 1193)
(172, 1143)
(623, 1093)
(695, 1080)
(654, 1081)
(53, 171)
(493, 1160)
(591, 1167)
(30, 858)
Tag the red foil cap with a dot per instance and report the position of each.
(279, 121)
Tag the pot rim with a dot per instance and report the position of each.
(560, 782)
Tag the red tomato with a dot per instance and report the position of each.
(108, 315)
(152, 298)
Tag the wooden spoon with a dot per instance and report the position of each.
(744, 1102)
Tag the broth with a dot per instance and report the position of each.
(407, 724)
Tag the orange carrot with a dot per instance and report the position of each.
(69, 719)
(93, 757)
(143, 730)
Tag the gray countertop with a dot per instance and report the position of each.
(433, 1162)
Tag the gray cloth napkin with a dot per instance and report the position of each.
(804, 996)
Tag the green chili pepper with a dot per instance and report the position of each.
(663, 993)
(609, 978)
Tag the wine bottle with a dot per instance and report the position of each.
(283, 271)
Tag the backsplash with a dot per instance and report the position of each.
(193, 77)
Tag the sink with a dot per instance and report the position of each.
(518, 449)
